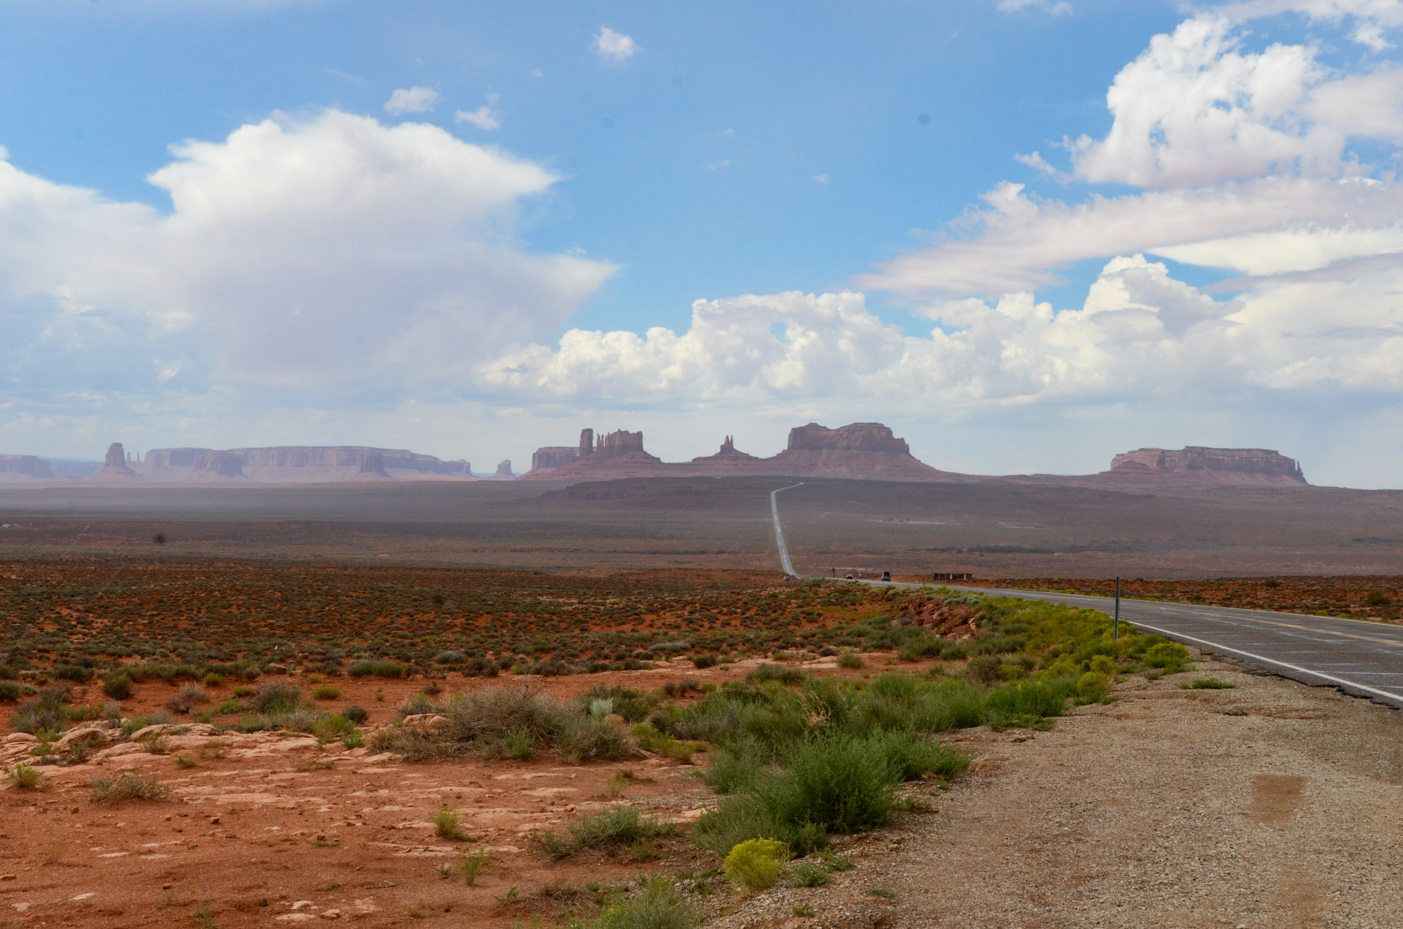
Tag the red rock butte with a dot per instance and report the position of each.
(866, 451)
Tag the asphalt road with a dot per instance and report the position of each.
(1361, 658)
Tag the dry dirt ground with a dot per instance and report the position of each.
(1268, 805)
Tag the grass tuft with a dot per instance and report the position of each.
(127, 786)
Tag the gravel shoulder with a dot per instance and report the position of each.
(1272, 804)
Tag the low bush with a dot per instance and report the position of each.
(117, 685)
(633, 705)
(446, 824)
(808, 874)
(379, 668)
(705, 660)
(1208, 683)
(127, 786)
(43, 712)
(775, 672)
(849, 659)
(25, 777)
(326, 692)
(274, 697)
(497, 722)
(1093, 685)
(1166, 655)
(11, 692)
(75, 673)
(656, 906)
(356, 714)
(755, 863)
(612, 826)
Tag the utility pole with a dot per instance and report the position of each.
(1115, 627)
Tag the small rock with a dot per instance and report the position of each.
(332, 914)
(8, 877)
(303, 905)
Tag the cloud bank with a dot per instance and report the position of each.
(307, 254)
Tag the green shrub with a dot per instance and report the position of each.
(775, 672)
(1030, 700)
(127, 786)
(45, 711)
(481, 722)
(379, 668)
(446, 823)
(633, 705)
(1166, 655)
(656, 906)
(74, 673)
(329, 728)
(1093, 685)
(356, 714)
(615, 825)
(117, 685)
(470, 866)
(808, 874)
(1377, 596)
(1208, 683)
(755, 864)
(849, 659)
(25, 777)
(274, 697)
(10, 692)
(705, 661)
(838, 783)
(326, 692)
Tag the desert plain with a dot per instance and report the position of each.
(1188, 792)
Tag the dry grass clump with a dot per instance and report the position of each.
(504, 722)
(127, 786)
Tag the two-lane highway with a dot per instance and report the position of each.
(1360, 657)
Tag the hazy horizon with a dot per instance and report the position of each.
(1027, 235)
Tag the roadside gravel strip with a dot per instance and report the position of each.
(1266, 806)
(1362, 658)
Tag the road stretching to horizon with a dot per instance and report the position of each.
(1362, 658)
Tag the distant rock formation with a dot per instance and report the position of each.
(504, 469)
(552, 457)
(372, 464)
(115, 467)
(728, 453)
(860, 450)
(298, 464)
(618, 454)
(1235, 464)
(224, 464)
(24, 467)
(865, 451)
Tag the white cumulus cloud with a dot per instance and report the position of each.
(323, 254)
(612, 47)
(411, 100)
(484, 117)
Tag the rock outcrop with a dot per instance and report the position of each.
(25, 467)
(618, 454)
(865, 451)
(115, 467)
(861, 450)
(1230, 465)
(224, 464)
(296, 464)
(552, 457)
(504, 469)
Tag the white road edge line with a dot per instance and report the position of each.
(784, 561)
(1237, 651)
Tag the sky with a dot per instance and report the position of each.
(1025, 234)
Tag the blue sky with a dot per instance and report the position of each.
(472, 229)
